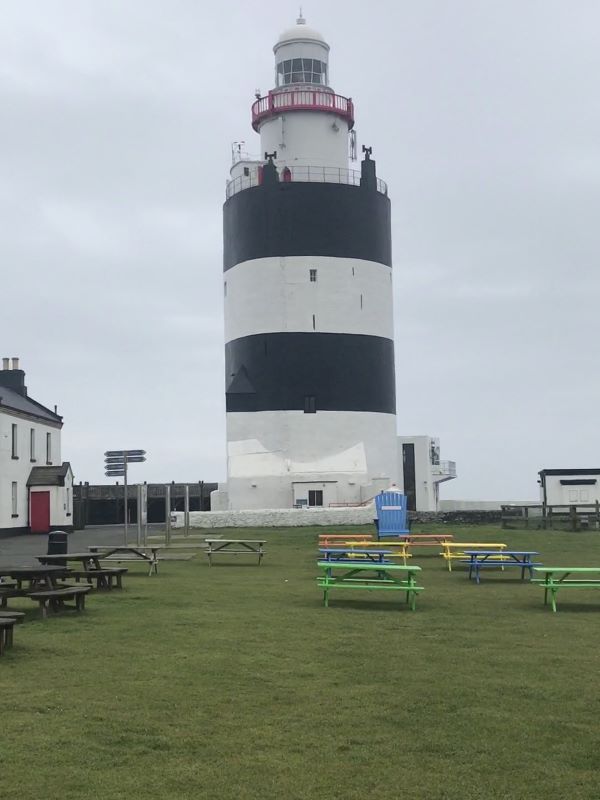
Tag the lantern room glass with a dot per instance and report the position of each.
(302, 70)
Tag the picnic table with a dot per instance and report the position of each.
(239, 547)
(454, 550)
(369, 576)
(398, 549)
(479, 559)
(347, 554)
(326, 539)
(425, 539)
(124, 553)
(90, 568)
(556, 578)
(43, 587)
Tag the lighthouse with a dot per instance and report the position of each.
(307, 284)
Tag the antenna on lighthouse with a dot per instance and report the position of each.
(300, 20)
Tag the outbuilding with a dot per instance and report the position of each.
(569, 487)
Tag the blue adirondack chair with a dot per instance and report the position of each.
(391, 508)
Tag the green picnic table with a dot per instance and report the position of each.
(556, 578)
(371, 576)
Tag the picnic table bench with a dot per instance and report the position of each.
(236, 547)
(127, 553)
(456, 550)
(480, 559)
(369, 576)
(556, 578)
(28, 579)
(90, 569)
(55, 598)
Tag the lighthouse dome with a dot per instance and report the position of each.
(300, 32)
(301, 56)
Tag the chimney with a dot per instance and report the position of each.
(13, 378)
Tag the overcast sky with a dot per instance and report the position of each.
(117, 118)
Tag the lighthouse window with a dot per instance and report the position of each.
(310, 404)
(315, 497)
(301, 70)
(313, 275)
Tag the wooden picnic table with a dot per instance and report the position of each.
(456, 550)
(347, 554)
(369, 576)
(43, 587)
(556, 578)
(125, 553)
(239, 547)
(91, 568)
(479, 559)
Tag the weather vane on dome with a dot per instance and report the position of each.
(300, 20)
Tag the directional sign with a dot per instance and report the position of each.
(115, 460)
(134, 459)
(115, 474)
(122, 453)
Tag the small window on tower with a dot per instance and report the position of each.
(225, 288)
(310, 404)
(247, 172)
(313, 275)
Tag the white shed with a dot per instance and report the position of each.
(569, 487)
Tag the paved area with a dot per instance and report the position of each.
(22, 550)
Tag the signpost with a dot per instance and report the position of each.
(115, 466)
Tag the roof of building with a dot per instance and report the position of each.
(17, 402)
(49, 476)
(300, 32)
(592, 471)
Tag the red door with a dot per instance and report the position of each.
(40, 512)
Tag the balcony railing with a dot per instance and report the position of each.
(302, 100)
(350, 177)
(445, 468)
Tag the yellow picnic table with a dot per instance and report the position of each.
(399, 549)
(452, 550)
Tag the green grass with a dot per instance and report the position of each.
(235, 683)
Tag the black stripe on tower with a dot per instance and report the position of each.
(307, 219)
(279, 371)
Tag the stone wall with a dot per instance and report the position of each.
(292, 518)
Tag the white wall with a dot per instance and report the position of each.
(557, 494)
(351, 448)
(277, 518)
(272, 295)
(306, 138)
(19, 469)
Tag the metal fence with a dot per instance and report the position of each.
(349, 177)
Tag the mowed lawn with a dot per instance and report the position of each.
(235, 682)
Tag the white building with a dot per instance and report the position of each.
(569, 487)
(36, 487)
(421, 471)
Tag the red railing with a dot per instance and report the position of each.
(302, 100)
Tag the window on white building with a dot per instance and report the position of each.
(15, 441)
(32, 444)
(315, 497)
(15, 498)
(48, 448)
(68, 505)
(313, 275)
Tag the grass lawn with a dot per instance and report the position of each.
(235, 683)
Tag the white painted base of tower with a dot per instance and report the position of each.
(349, 456)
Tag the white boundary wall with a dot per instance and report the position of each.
(276, 518)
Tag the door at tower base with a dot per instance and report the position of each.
(260, 475)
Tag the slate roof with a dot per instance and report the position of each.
(49, 476)
(569, 472)
(11, 399)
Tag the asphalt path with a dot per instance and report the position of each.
(21, 550)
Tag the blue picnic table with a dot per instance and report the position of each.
(478, 559)
(347, 554)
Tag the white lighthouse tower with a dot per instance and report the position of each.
(310, 385)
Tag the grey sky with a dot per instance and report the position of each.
(117, 119)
